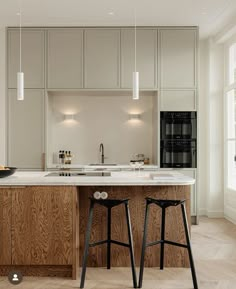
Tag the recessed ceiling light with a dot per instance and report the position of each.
(111, 13)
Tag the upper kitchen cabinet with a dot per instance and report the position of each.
(178, 58)
(32, 57)
(102, 58)
(146, 59)
(181, 100)
(65, 58)
(25, 129)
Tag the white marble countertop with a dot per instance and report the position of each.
(122, 178)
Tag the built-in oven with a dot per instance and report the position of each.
(178, 125)
(178, 154)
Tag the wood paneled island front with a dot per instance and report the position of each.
(43, 222)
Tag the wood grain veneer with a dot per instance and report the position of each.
(39, 230)
(174, 256)
(42, 228)
(5, 227)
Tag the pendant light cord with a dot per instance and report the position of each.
(135, 37)
(20, 36)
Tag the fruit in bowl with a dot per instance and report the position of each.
(2, 168)
(6, 171)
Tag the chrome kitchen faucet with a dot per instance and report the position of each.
(101, 149)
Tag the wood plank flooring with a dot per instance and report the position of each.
(214, 248)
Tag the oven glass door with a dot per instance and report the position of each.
(177, 129)
(187, 129)
(180, 157)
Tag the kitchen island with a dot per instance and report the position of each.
(43, 220)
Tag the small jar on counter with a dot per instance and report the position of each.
(68, 157)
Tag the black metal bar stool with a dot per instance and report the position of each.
(163, 204)
(109, 204)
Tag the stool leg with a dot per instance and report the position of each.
(163, 221)
(143, 245)
(131, 248)
(195, 285)
(86, 247)
(109, 239)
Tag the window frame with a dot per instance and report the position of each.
(227, 88)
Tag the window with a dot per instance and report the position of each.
(232, 64)
(230, 118)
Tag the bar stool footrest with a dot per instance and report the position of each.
(154, 243)
(98, 243)
(107, 241)
(175, 244)
(120, 243)
(166, 242)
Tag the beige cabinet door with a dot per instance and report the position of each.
(5, 226)
(178, 58)
(25, 129)
(146, 59)
(181, 100)
(102, 58)
(65, 58)
(32, 57)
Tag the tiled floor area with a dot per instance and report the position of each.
(214, 248)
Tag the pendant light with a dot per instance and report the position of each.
(20, 75)
(135, 73)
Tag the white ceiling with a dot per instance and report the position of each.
(209, 15)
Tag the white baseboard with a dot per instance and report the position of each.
(230, 219)
(202, 212)
(230, 214)
(215, 214)
(211, 214)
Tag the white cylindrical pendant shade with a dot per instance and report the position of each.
(135, 85)
(20, 86)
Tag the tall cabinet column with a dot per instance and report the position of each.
(26, 118)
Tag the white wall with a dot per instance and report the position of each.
(203, 129)
(215, 200)
(211, 167)
(2, 95)
(100, 119)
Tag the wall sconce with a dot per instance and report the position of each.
(135, 116)
(69, 116)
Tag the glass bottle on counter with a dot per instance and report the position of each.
(69, 158)
(63, 157)
(60, 157)
(66, 153)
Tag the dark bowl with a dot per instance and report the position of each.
(7, 173)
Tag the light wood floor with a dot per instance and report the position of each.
(214, 249)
